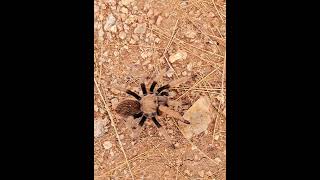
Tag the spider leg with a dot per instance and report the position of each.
(138, 115)
(152, 87)
(133, 94)
(173, 114)
(156, 122)
(143, 88)
(164, 93)
(143, 119)
(163, 88)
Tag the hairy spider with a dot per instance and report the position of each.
(150, 105)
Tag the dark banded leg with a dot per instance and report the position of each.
(163, 88)
(152, 86)
(133, 94)
(164, 93)
(143, 119)
(138, 115)
(143, 88)
(156, 122)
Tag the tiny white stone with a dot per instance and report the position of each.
(159, 20)
(178, 55)
(122, 35)
(124, 10)
(201, 173)
(107, 145)
(140, 29)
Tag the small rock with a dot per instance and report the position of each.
(132, 41)
(170, 73)
(113, 28)
(189, 67)
(190, 34)
(201, 173)
(216, 137)
(140, 29)
(150, 13)
(184, 73)
(114, 103)
(107, 145)
(157, 40)
(122, 35)
(99, 128)
(218, 160)
(159, 20)
(187, 172)
(199, 115)
(178, 55)
(135, 37)
(112, 2)
(166, 173)
(96, 108)
(124, 10)
(116, 53)
(114, 91)
(121, 136)
(111, 153)
(111, 21)
(130, 19)
(209, 173)
(126, 2)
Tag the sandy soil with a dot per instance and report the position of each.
(135, 40)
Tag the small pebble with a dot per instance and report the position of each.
(114, 103)
(209, 173)
(159, 20)
(107, 145)
(180, 54)
(201, 173)
(184, 73)
(124, 10)
(122, 35)
(140, 29)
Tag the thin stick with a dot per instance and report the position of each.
(217, 11)
(223, 74)
(169, 44)
(195, 145)
(114, 127)
(132, 159)
(196, 84)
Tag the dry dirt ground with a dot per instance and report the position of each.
(134, 41)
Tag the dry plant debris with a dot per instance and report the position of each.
(134, 40)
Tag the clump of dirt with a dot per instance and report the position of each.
(138, 41)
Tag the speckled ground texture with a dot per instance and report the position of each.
(138, 40)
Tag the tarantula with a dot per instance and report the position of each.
(150, 105)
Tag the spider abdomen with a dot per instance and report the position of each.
(128, 108)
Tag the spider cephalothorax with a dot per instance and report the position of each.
(150, 105)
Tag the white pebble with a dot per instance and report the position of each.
(122, 35)
(107, 145)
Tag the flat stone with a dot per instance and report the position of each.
(140, 29)
(199, 115)
(178, 56)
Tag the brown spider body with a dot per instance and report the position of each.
(150, 105)
(128, 108)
